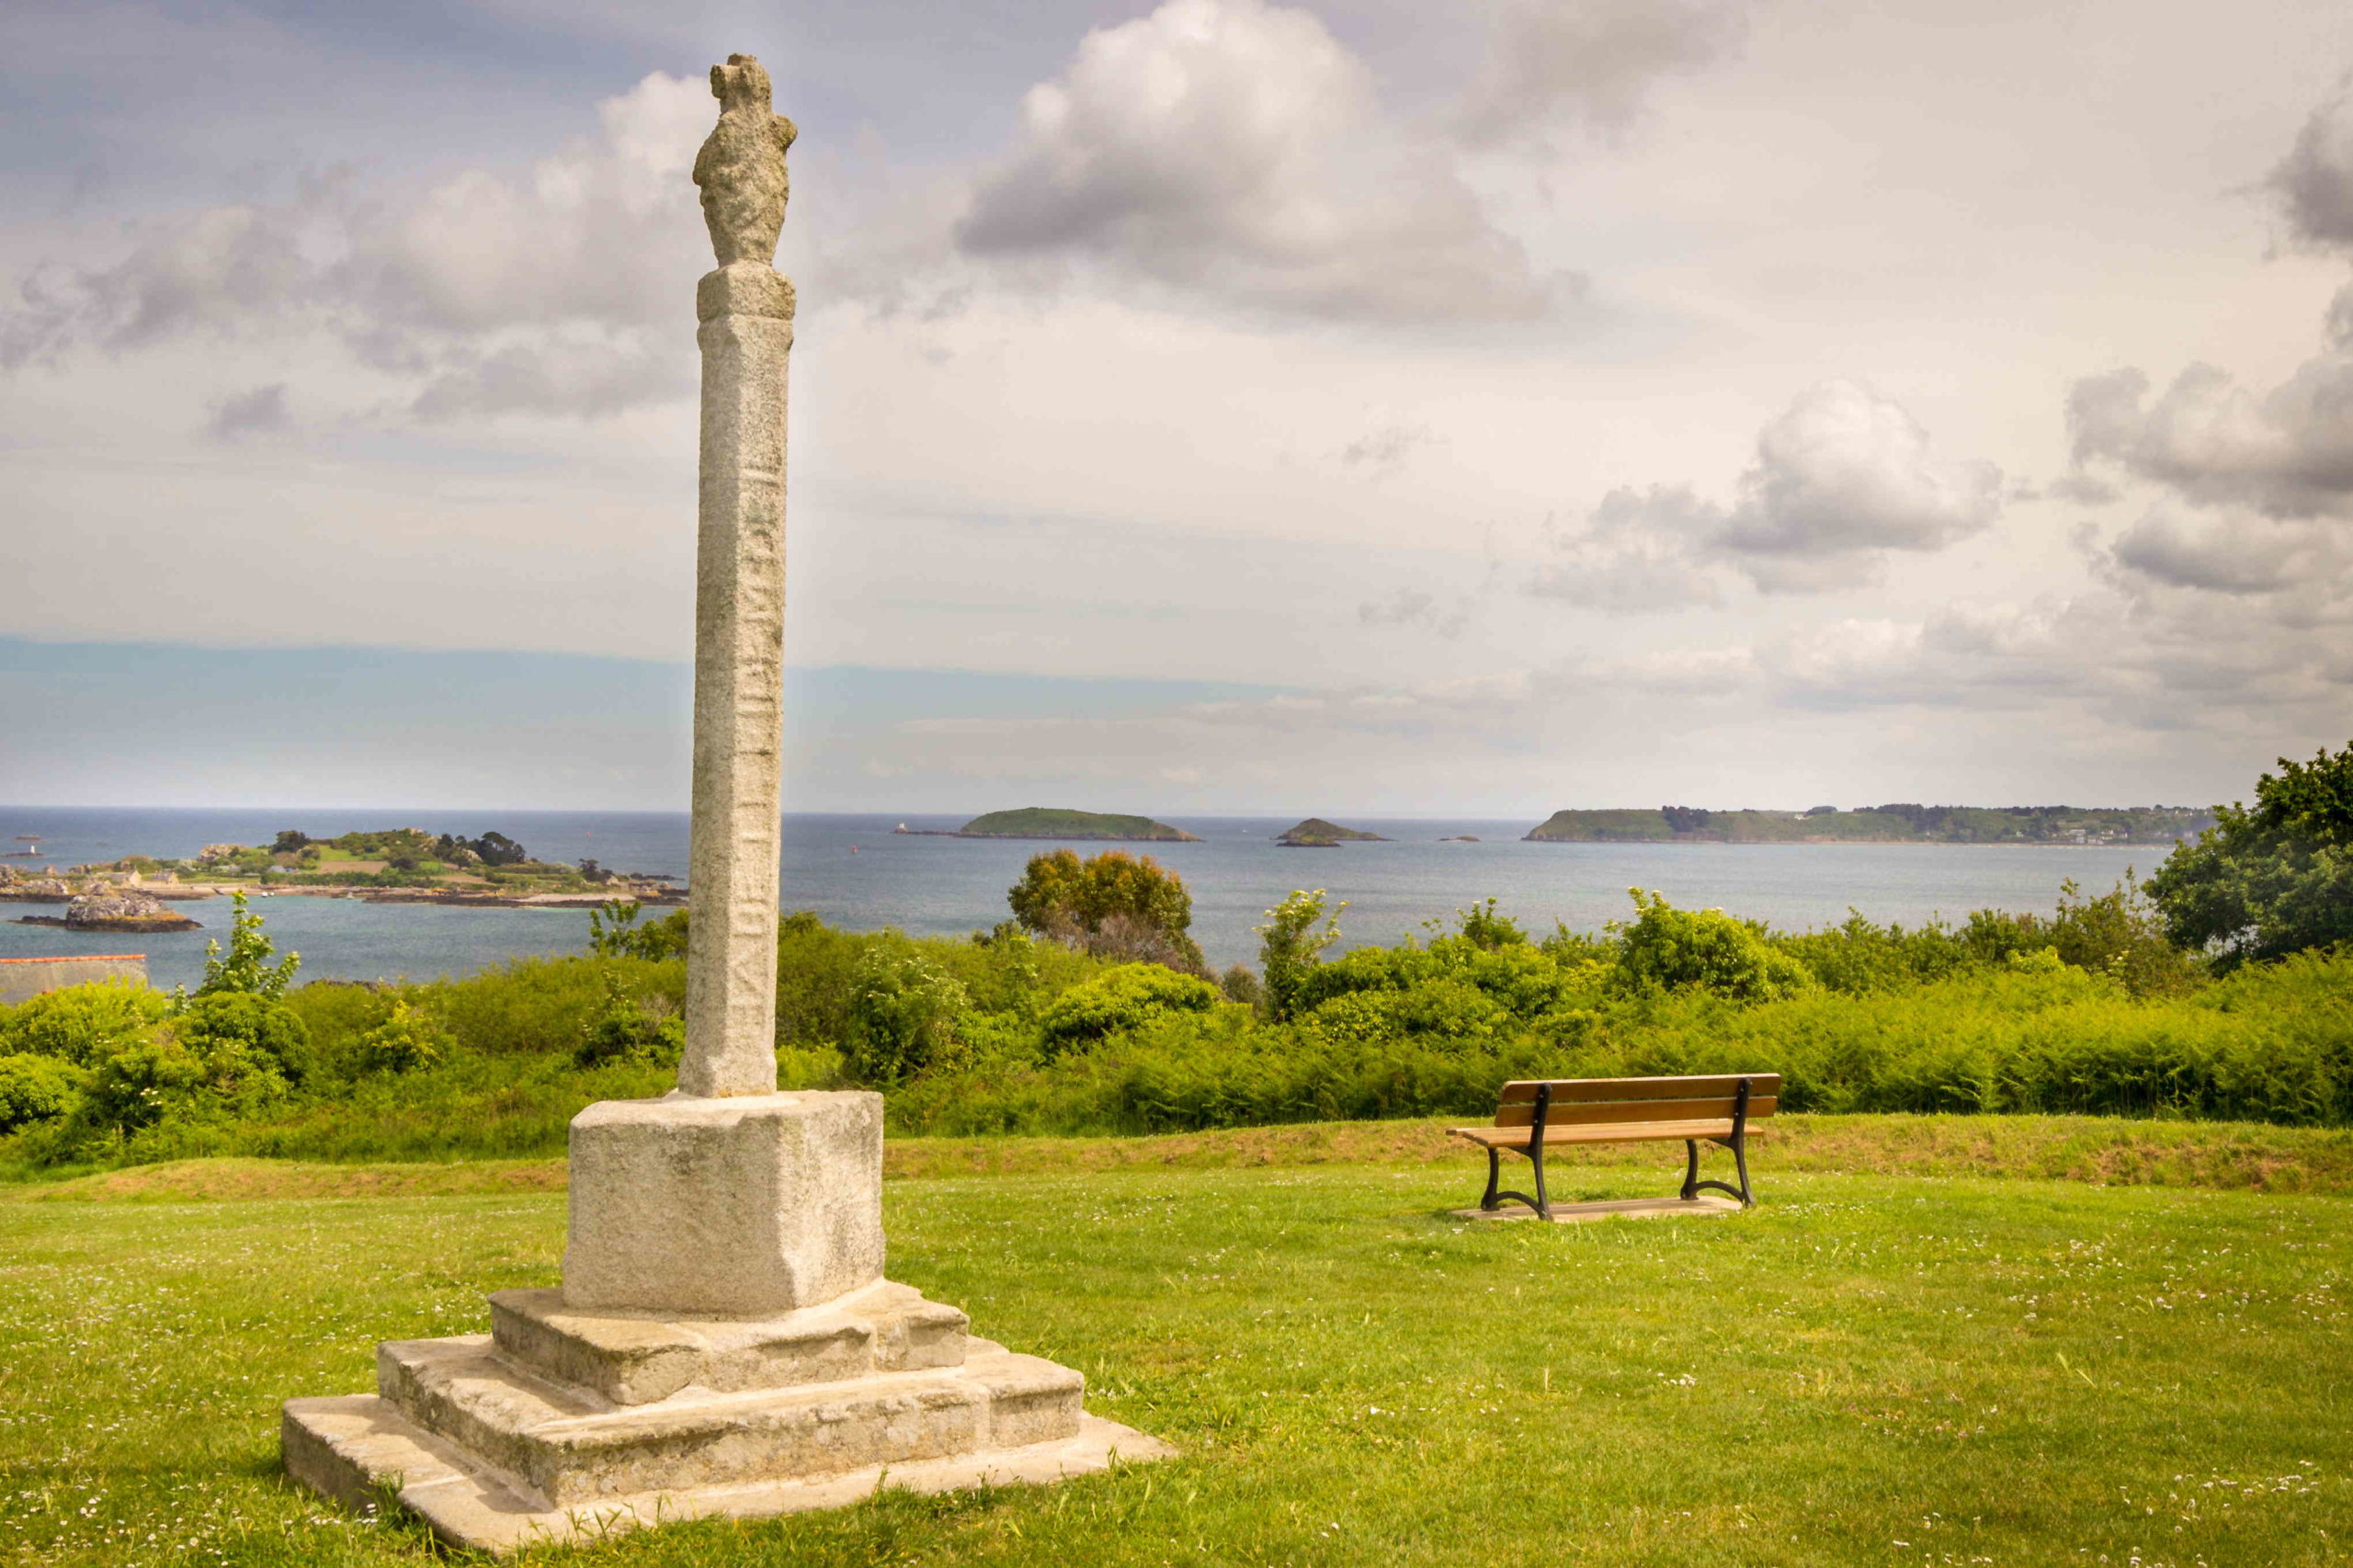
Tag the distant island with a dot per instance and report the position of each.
(1317, 834)
(1054, 822)
(1903, 823)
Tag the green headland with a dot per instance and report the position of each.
(1903, 823)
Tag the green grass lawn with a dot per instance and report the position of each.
(1868, 1369)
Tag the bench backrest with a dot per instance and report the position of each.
(1587, 1101)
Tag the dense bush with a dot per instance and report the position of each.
(907, 1014)
(37, 1088)
(81, 1023)
(1122, 999)
(1665, 949)
(409, 1038)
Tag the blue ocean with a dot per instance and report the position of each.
(856, 873)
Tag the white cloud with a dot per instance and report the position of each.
(258, 410)
(1638, 551)
(1587, 65)
(1845, 474)
(557, 291)
(2229, 551)
(2287, 452)
(1235, 148)
(1843, 478)
(2315, 181)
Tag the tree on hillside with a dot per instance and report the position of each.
(1113, 904)
(2271, 880)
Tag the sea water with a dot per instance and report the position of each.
(855, 872)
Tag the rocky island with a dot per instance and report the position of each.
(120, 912)
(1317, 834)
(1060, 822)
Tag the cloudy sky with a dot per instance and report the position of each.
(1221, 405)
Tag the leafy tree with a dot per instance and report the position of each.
(2271, 880)
(1290, 944)
(1685, 819)
(1667, 948)
(1114, 904)
(247, 969)
(498, 849)
(290, 842)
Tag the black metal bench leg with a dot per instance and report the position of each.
(1495, 1178)
(1740, 1158)
(1690, 1169)
(1536, 1153)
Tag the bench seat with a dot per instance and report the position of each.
(1622, 1132)
(1534, 1115)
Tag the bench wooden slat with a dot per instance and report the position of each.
(1576, 1115)
(1636, 1132)
(1761, 1085)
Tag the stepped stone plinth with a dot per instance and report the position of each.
(572, 1417)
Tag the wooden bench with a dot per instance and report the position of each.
(1534, 1115)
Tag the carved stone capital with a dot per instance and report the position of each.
(744, 289)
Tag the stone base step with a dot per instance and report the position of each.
(356, 1448)
(568, 1446)
(637, 1357)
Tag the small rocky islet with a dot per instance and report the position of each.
(1317, 834)
(118, 911)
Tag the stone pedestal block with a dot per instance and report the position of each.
(746, 1207)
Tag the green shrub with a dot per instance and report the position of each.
(252, 1024)
(540, 1006)
(81, 1023)
(1667, 948)
(37, 1088)
(1291, 946)
(1122, 999)
(905, 1014)
(172, 1072)
(614, 933)
(630, 1030)
(409, 1038)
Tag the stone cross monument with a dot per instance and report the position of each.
(723, 1341)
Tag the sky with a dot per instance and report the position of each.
(1219, 406)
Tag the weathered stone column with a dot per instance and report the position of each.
(746, 309)
(723, 1341)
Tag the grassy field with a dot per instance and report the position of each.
(1869, 1369)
